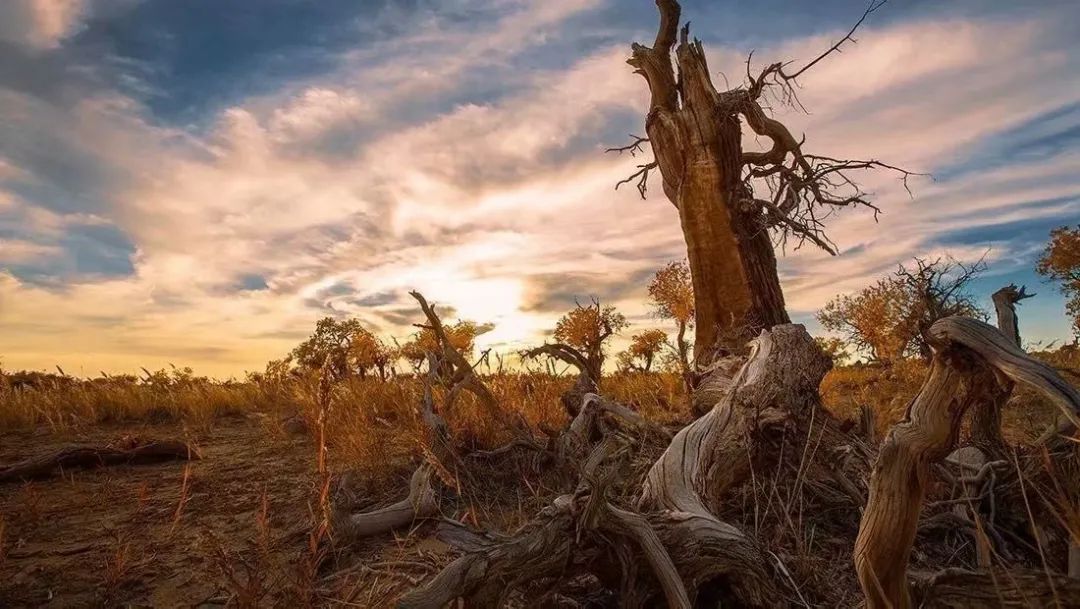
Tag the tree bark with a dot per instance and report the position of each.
(961, 589)
(698, 149)
(927, 433)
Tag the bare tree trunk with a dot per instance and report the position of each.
(698, 148)
(986, 417)
(1005, 301)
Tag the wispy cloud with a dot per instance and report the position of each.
(433, 159)
(41, 24)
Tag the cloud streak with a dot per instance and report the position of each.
(431, 160)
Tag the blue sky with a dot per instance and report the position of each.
(196, 182)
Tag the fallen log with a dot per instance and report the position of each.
(90, 457)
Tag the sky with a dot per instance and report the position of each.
(198, 182)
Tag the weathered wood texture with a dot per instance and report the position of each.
(925, 436)
(696, 139)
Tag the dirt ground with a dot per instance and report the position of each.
(133, 536)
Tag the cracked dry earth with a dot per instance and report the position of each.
(132, 536)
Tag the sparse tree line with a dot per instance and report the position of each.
(760, 489)
(881, 323)
(580, 338)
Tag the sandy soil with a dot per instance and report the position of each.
(115, 536)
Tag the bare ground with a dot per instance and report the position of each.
(131, 535)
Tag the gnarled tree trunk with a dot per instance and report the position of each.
(696, 138)
(900, 476)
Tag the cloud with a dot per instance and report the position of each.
(433, 160)
(41, 24)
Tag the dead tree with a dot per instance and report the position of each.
(648, 520)
(1005, 301)
(451, 368)
(695, 135)
(996, 391)
(926, 434)
(670, 519)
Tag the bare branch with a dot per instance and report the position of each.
(873, 6)
(642, 176)
(633, 147)
(561, 352)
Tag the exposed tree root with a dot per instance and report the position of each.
(90, 457)
(690, 553)
(718, 513)
(422, 502)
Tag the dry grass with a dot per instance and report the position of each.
(888, 390)
(374, 425)
(61, 402)
(372, 437)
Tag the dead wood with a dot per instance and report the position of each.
(996, 390)
(588, 379)
(422, 502)
(1022, 589)
(690, 554)
(695, 134)
(928, 432)
(1005, 301)
(90, 457)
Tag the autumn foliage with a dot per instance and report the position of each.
(586, 327)
(887, 320)
(644, 347)
(672, 294)
(1060, 262)
(462, 336)
(350, 347)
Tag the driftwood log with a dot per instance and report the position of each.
(90, 457)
